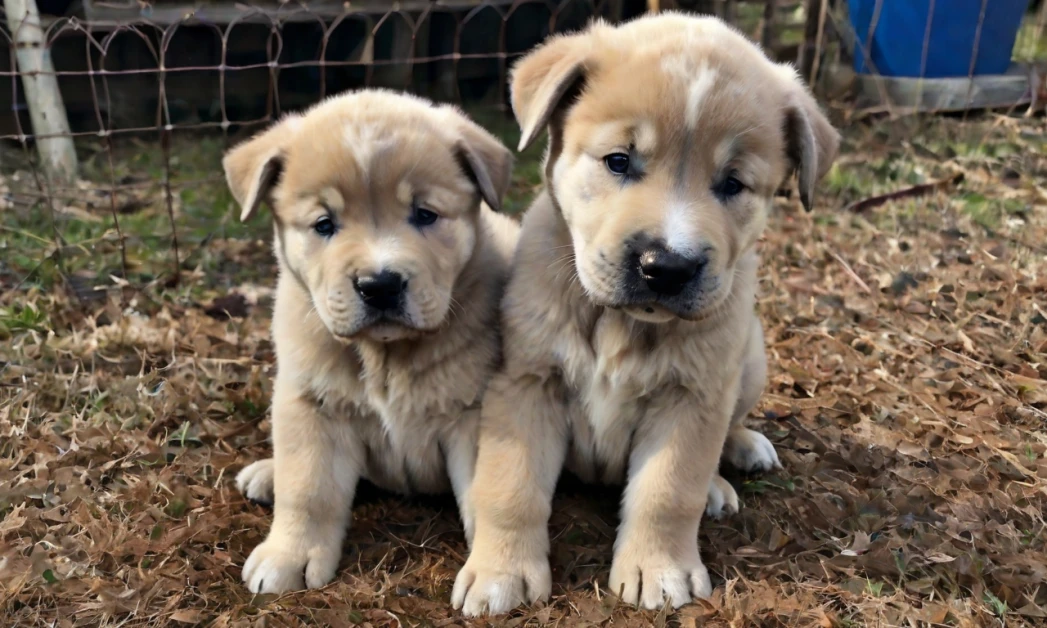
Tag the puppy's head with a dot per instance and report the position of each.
(668, 138)
(376, 201)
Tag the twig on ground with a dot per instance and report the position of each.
(912, 192)
(850, 273)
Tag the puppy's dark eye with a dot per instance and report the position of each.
(421, 217)
(617, 163)
(730, 187)
(325, 227)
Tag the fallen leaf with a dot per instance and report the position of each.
(859, 545)
(188, 616)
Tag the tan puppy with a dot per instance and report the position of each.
(632, 351)
(385, 324)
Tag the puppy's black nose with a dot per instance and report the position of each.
(666, 272)
(381, 291)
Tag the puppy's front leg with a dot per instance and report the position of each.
(656, 552)
(459, 449)
(316, 468)
(523, 441)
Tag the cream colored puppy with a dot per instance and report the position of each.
(386, 319)
(632, 351)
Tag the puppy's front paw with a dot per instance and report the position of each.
(722, 500)
(255, 481)
(750, 451)
(491, 587)
(278, 566)
(649, 578)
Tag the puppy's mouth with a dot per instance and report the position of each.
(695, 305)
(390, 332)
(409, 318)
(381, 326)
(650, 313)
(653, 283)
(705, 307)
(698, 300)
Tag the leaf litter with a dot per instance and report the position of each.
(908, 351)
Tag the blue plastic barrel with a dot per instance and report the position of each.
(897, 43)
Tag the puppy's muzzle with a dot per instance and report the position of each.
(383, 291)
(667, 273)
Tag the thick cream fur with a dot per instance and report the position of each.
(397, 404)
(624, 392)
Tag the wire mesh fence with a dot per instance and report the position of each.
(905, 340)
(152, 93)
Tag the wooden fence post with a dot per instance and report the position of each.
(46, 110)
(769, 36)
(813, 32)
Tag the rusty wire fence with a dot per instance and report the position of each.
(152, 93)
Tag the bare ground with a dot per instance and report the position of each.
(908, 347)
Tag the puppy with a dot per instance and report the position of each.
(386, 312)
(632, 351)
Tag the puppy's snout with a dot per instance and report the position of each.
(666, 272)
(381, 291)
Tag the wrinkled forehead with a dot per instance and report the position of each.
(357, 154)
(683, 100)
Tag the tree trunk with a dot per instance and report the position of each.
(46, 110)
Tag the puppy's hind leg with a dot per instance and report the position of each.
(722, 500)
(255, 481)
(745, 449)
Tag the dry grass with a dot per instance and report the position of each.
(908, 351)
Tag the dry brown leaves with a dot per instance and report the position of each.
(908, 349)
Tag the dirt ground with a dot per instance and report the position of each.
(908, 348)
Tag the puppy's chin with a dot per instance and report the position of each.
(650, 313)
(379, 327)
(706, 306)
(389, 332)
(709, 308)
(383, 332)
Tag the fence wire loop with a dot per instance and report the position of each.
(148, 73)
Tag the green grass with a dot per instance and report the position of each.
(998, 606)
(990, 212)
(1031, 45)
(849, 184)
(140, 429)
(89, 235)
(874, 588)
(527, 169)
(16, 319)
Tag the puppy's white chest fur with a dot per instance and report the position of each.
(405, 432)
(609, 407)
(619, 377)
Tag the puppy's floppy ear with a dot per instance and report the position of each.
(542, 78)
(483, 158)
(253, 167)
(811, 141)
